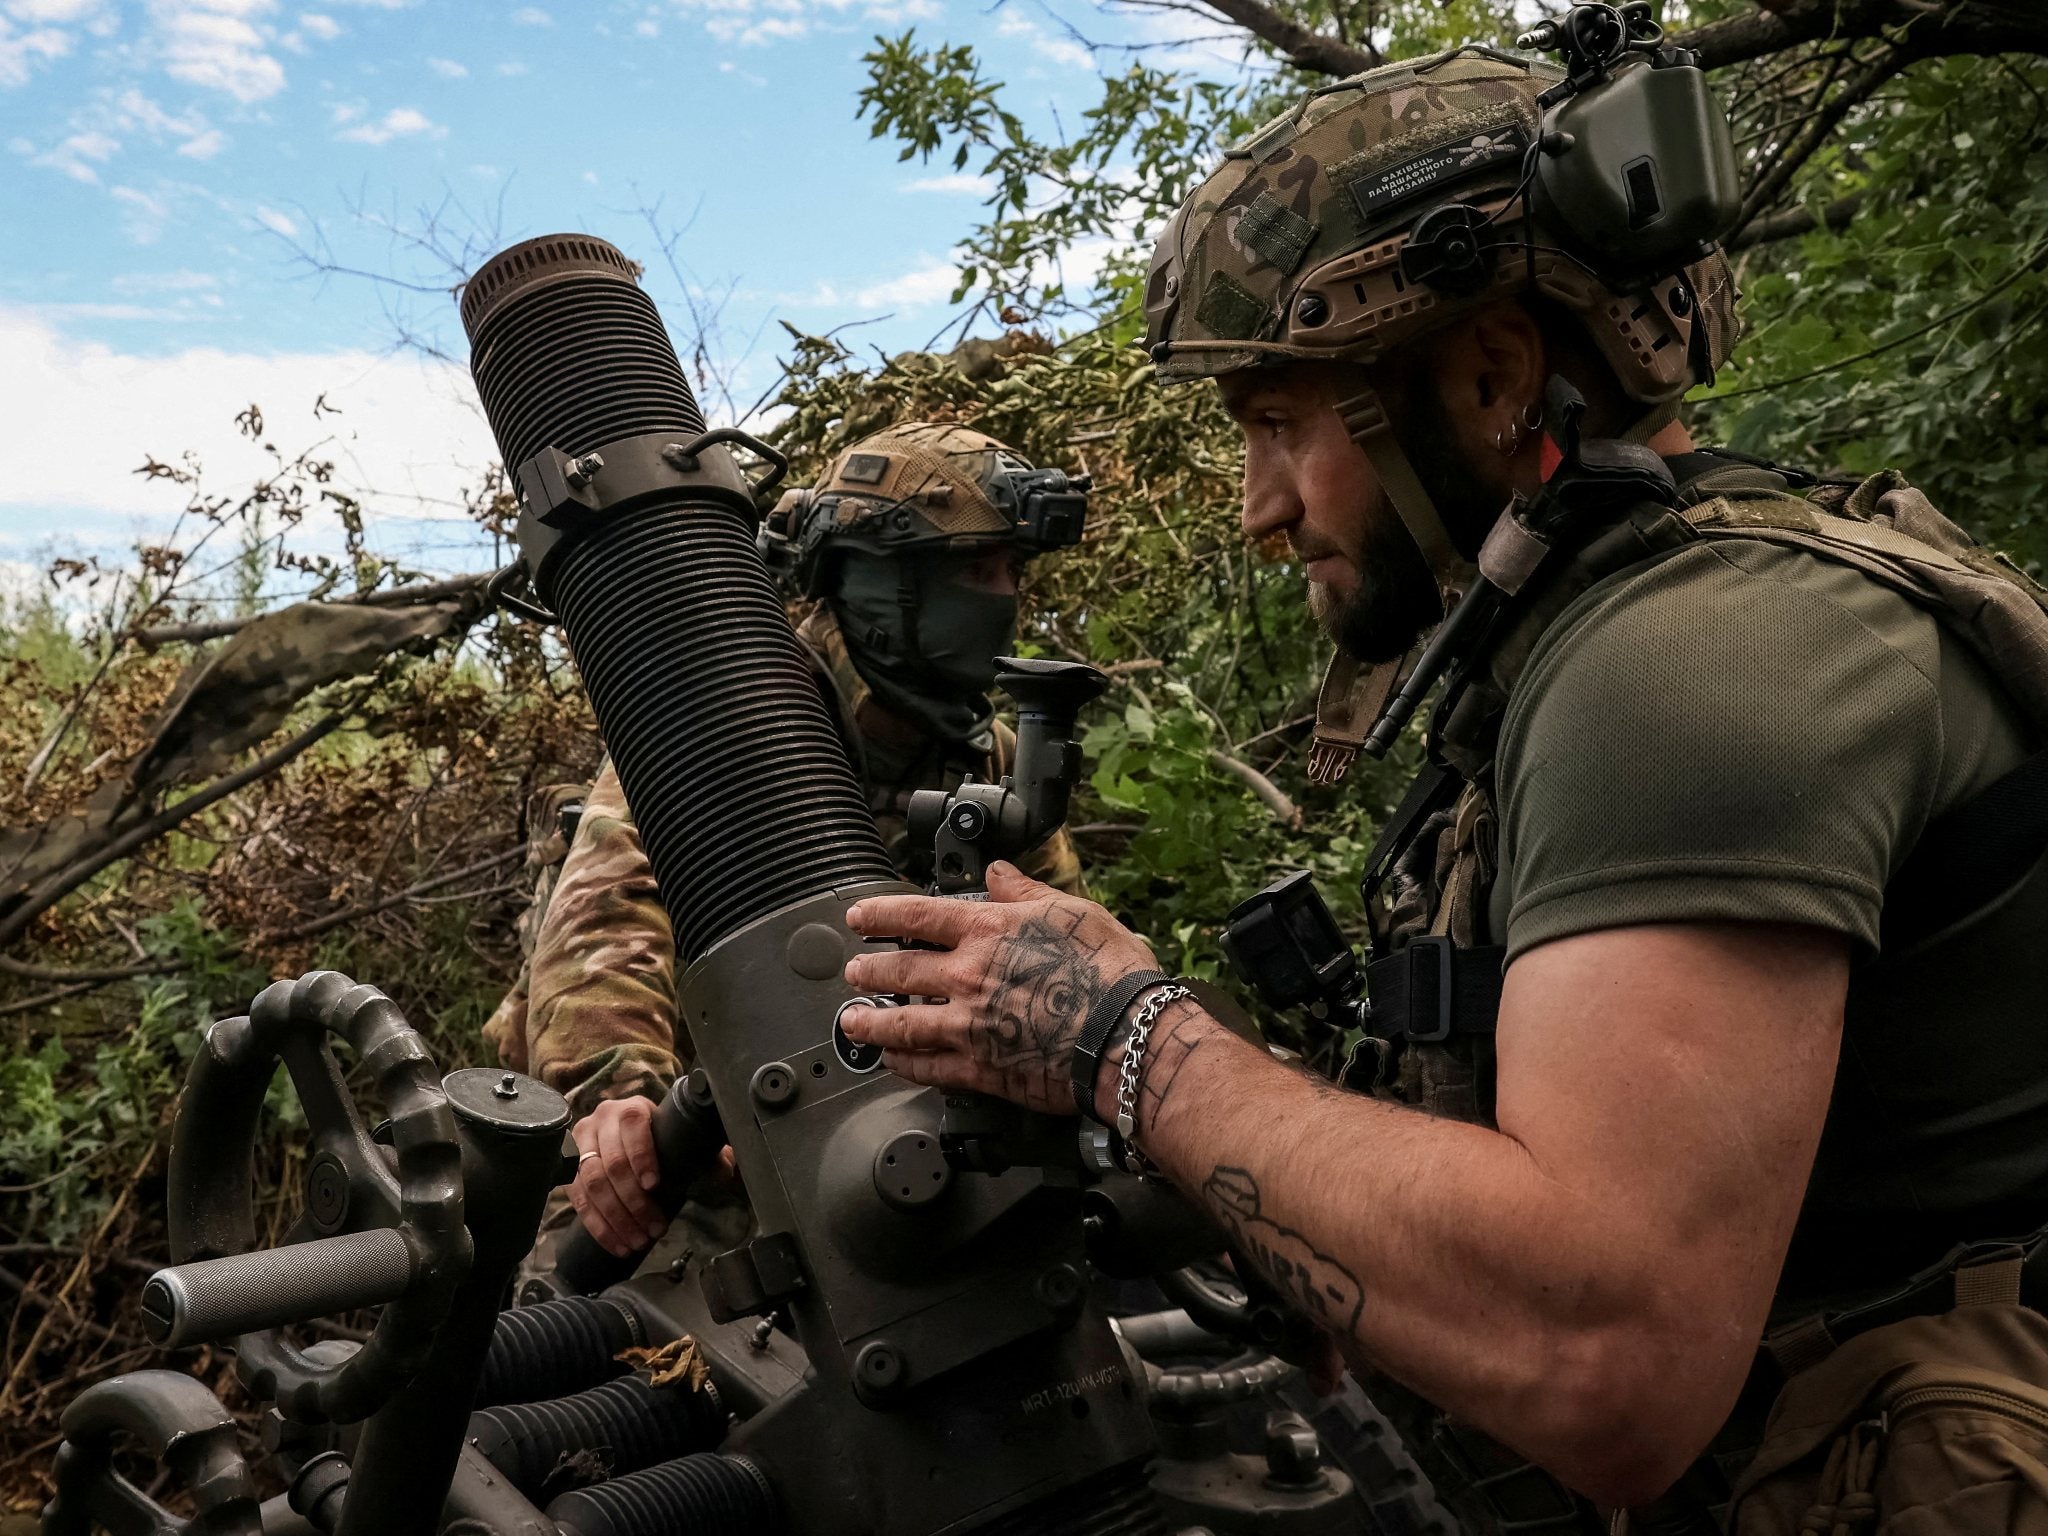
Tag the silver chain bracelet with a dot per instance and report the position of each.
(1131, 1071)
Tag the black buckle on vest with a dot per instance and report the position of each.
(1425, 952)
(1429, 990)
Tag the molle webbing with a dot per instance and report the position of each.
(1895, 536)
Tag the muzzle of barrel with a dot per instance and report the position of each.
(642, 541)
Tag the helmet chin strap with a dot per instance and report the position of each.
(1354, 696)
(1365, 419)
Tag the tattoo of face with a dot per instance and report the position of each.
(1042, 983)
(1328, 1293)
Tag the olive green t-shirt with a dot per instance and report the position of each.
(1739, 730)
(1744, 731)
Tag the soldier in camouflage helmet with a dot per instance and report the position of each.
(909, 550)
(1654, 885)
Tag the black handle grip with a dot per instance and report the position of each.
(213, 1299)
(688, 1136)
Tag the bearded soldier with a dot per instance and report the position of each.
(1706, 976)
(909, 549)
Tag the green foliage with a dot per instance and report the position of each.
(1141, 149)
(1912, 336)
(1907, 337)
(81, 1112)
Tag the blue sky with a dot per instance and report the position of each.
(164, 164)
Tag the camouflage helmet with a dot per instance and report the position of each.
(1303, 244)
(921, 486)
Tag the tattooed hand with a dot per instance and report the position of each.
(1004, 997)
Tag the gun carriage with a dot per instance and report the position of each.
(917, 1337)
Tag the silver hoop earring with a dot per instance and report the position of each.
(1532, 415)
(1508, 439)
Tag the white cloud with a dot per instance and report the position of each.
(532, 16)
(511, 68)
(931, 283)
(485, 172)
(646, 27)
(958, 182)
(448, 69)
(184, 280)
(755, 34)
(61, 13)
(142, 216)
(756, 23)
(727, 67)
(133, 111)
(398, 123)
(1061, 50)
(406, 427)
(277, 223)
(77, 155)
(216, 45)
(326, 28)
(20, 52)
(93, 311)
(139, 111)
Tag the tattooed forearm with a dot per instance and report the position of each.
(1175, 1041)
(1328, 1293)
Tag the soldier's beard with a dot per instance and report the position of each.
(1395, 601)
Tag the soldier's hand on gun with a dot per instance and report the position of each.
(616, 1173)
(1002, 998)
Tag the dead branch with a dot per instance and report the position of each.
(1284, 810)
(85, 979)
(66, 880)
(1313, 51)
(1791, 223)
(1930, 27)
(153, 636)
(1785, 164)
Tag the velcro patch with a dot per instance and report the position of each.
(1228, 310)
(865, 468)
(1375, 193)
(1263, 141)
(1276, 232)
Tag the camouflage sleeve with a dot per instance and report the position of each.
(602, 1009)
(546, 847)
(505, 1029)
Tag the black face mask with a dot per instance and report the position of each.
(923, 638)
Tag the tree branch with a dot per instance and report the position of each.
(1284, 810)
(391, 597)
(68, 879)
(1785, 165)
(1305, 49)
(1929, 27)
(85, 979)
(1791, 223)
